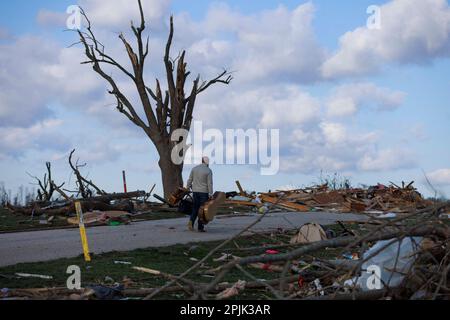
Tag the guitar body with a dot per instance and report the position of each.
(208, 211)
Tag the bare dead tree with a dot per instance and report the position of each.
(4, 197)
(165, 110)
(84, 185)
(46, 185)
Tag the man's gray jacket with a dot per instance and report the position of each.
(201, 179)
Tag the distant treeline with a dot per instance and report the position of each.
(22, 196)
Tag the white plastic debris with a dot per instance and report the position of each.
(319, 287)
(224, 257)
(445, 216)
(383, 270)
(241, 198)
(374, 212)
(389, 215)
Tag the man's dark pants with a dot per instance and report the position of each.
(199, 200)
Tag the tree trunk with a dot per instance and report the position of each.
(165, 110)
(172, 174)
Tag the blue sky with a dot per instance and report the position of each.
(370, 105)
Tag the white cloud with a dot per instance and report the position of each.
(418, 131)
(36, 74)
(387, 159)
(98, 151)
(272, 52)
(439, 177)
(334, 133)
(287, 107)
(43, 135)
(272, 106)
(412, 31)
(324, 145)
(348, 99)
(75, 84)
(311, 139)
(277, 44)
(119, 13)
(22, 82)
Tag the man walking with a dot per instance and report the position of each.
(201, 182)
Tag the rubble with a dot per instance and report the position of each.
(412, 254)
(405, 271)
(381, 202)
(233, 291)
(379, 199)
(399, 214)
(100, 217)
(107, 202)
(99, 206)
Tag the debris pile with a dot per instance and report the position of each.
(99, 206)
(406, 258)
(375, 199)
(97, 210)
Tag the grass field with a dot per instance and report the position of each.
(173, 260)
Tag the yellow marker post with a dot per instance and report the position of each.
(84, 241)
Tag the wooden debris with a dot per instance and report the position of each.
(177, 196)
(241, 203)
(233, 291)
(356, 200)
(241, 190)
(102, 217)
(64, 208)
(285, 204)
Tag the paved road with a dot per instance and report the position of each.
(40, 246)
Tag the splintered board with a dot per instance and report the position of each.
(284, 204)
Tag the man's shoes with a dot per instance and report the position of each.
(190, 226)
(201, 230)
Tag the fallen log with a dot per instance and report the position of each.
(101, 203)
(70, 208)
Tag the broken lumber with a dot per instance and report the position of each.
(285, 204)
(241, 190)
(241, 203)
